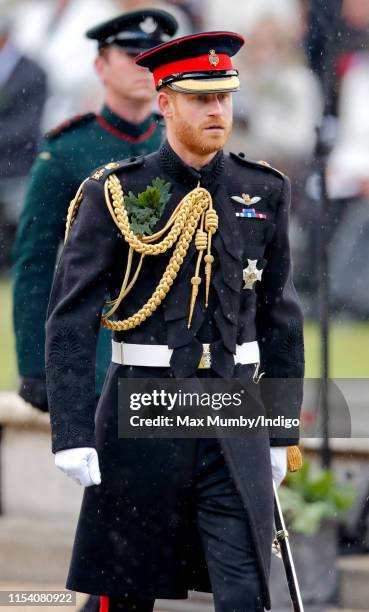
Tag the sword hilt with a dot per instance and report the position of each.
(282, 534)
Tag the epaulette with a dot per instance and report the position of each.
(242, 159)
(68, 124)
(101, 173)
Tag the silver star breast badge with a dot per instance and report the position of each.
(251, 274)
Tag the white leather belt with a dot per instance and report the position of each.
(158, 355)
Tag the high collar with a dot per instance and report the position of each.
(187, 175)
(132, 130)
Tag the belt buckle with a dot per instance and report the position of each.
(121, 354)
(205, 361)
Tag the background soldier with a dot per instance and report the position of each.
(126, 126)
(170, 515)
(23, 88)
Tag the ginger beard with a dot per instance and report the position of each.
(204, 138)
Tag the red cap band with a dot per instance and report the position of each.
(194, 64)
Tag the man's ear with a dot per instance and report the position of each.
(99, 64)
(166, 103)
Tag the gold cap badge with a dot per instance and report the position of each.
(213, 58)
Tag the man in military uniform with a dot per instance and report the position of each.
(161, 516)
(126, 126)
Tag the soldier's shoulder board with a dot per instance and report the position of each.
(67, 125)
(242, 159)
(101, 173)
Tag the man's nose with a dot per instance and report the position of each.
(215, 107)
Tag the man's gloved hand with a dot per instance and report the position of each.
(278, 457)
(81, 464)
(33, 391)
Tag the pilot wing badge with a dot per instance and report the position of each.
(246, 199)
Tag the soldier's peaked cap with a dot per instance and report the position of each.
(136, 31)
(197, 63)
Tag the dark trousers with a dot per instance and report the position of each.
(225, 536)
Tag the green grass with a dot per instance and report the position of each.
(348, 352)
(8, 368)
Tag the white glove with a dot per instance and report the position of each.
(278, 457)
(81, 464)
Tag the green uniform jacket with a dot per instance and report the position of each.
(68, 155)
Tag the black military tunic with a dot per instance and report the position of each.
(136, 532)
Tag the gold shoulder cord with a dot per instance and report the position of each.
(196, 208)
(73, 209)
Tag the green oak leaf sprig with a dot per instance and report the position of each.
(145, 210)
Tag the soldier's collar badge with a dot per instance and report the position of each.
(246, 199)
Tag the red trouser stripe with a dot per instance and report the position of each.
(104, 603)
